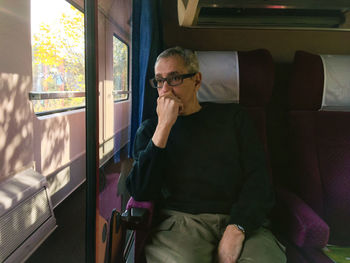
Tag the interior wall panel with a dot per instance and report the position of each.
(281, 43)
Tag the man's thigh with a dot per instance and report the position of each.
(262, 247)
(181, 239)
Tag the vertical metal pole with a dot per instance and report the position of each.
(92, 157)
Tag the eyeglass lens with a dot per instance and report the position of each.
(172, 81)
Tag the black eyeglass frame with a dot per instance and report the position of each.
(183, 76)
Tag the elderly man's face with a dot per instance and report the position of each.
(187, 91)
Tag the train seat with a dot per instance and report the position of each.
(319, 137)
(250, 81)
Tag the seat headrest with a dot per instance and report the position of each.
(220, 76)
(336, 88)
(246, 77)
(319, 82)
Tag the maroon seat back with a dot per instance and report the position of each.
(254, 71)
(256, 74)
(320, 147)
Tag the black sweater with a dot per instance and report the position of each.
(213, 163)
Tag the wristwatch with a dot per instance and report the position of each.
(240, 228)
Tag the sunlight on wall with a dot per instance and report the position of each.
(106, 122)
(60, 180)
(16, 127)
(59, 141)
(106, 150)
(16, 189)
(55, 143)
(108, 113)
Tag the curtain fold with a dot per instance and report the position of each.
(147, 43)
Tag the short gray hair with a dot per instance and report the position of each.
(188, 56)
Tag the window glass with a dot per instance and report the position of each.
(120, 70)
(57, 30)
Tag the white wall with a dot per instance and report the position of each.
(16, 119)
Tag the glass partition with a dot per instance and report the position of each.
(108, 120)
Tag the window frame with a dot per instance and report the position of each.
(128, 92)
(42, 95)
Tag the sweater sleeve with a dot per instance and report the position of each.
(145, 179)
(256, 197)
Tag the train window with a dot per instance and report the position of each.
(120, 69)
(58, 62)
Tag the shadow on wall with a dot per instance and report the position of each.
(52, 143)
(59, 139)
(16, 125)
(59, 143)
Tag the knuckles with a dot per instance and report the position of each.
(166, 100)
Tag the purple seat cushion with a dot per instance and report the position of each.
(301, 224)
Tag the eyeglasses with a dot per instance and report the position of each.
(173, 81)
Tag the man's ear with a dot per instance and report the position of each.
(198, 80)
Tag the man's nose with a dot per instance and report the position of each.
(166, 87)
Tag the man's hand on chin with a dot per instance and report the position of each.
(230, 245)
(168, 108)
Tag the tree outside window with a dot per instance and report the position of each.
(120, 69)
(57, 53)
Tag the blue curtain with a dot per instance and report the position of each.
(147, 43)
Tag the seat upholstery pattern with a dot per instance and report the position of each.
(321, 143)
(320, 148)
(306, 82)
(256, 80)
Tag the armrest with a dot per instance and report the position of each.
(138, 213)
(300, 223)
(134, 217)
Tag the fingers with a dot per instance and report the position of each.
(168, 109)
(168, 99)
(170, 95)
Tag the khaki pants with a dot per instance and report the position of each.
(187, 238)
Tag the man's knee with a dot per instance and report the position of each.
(186, 254)
(177, 239)
(267, 258)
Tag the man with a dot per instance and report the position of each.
(204, 168)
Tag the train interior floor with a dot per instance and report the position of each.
(67, 242)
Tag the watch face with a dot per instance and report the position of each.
(240, 227)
